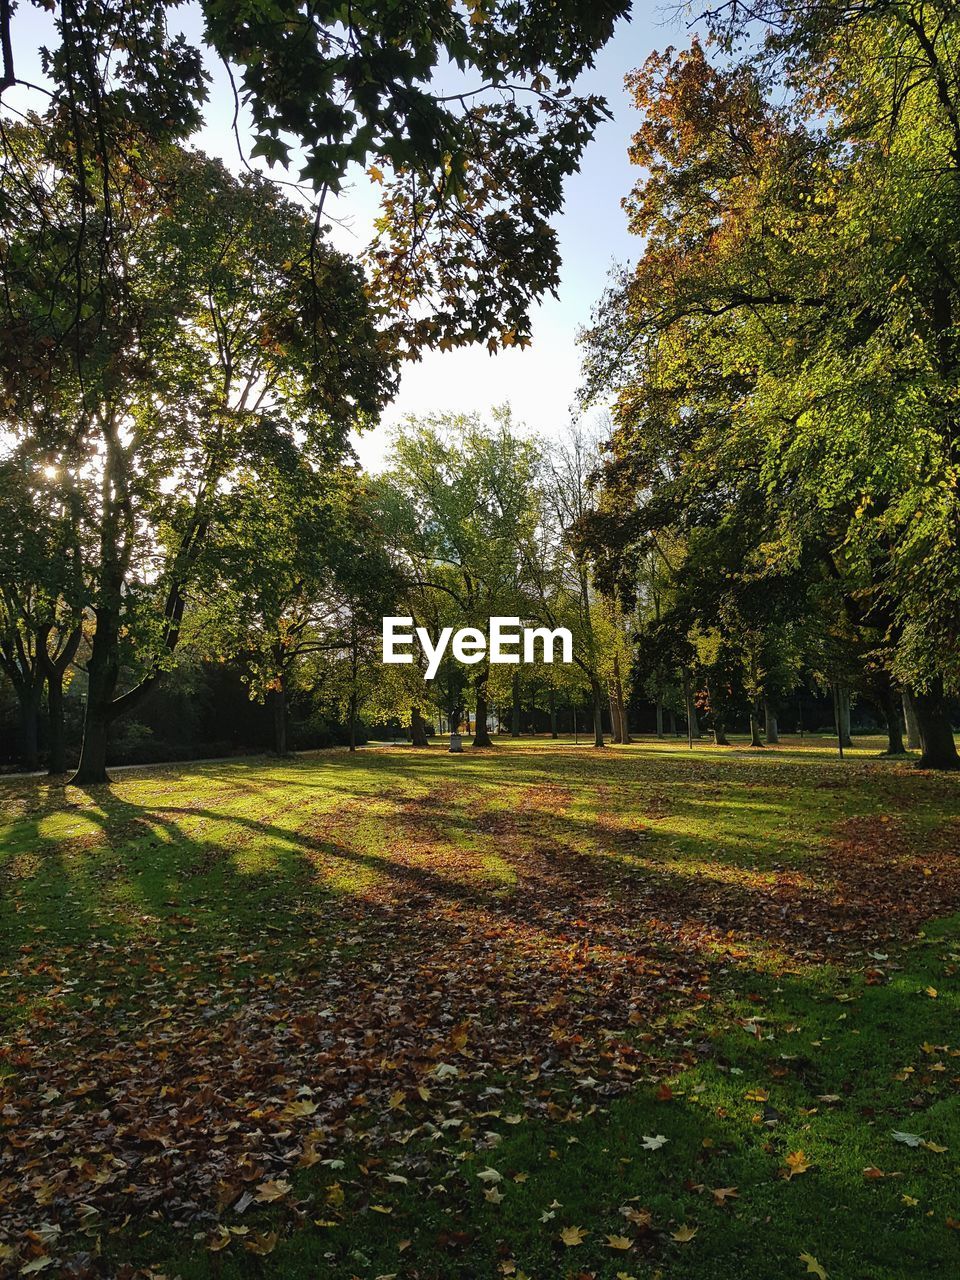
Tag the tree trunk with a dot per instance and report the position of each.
(418, 729)
(29, 698)
(890, 705)
(58, 746)
(597, 693)
(53, 670)
(771, 728)
(616, 730)
(659, 718)
(939, 751)
(481, 736)
(620, 700)
(515, 708)
(103, 672)
(693, 723)
(353, 720)
(672, 723)
(553, 714)
(843, 728)
(278, 702)
(755, 739)
(719, 735)
(910, 721)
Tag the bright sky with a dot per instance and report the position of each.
(539, 382)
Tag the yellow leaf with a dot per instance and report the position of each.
(797, 1162)
(262, 1244)
(684, 1234)
(573, 1235)
(274, 1189)
(931, 992)
(813, 1266)
(375, 174)
(619, 1242)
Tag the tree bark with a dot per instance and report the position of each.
(103, 672)
(891, 713)
(553, 713)
(659, 718)
(672, 723)
(719, 735)
(481, 736)
(353, 720)
(418, 729)
(771, 728)
(620, 700)
(843, 728)
(58, 746)
(692, 719)
(616, 730)
(755, 738)
(515, 708)
(911, 724)
(30, 725)
(54, 669)
(938, 749)
(597, 693)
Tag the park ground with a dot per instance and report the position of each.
(540, 1011)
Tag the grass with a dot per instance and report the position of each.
(419, 1015)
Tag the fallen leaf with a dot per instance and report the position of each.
(619, 1242)
(797, 1162)
(573, 1235)
(813, 1266)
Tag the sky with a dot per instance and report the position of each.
(539, 382)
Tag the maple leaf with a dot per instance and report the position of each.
(272, 1190)
(262, 1244)
(493, 1195)
(573, 1235)
(639, 1217)
(684, 1234)
(490, 1175)
(722, 1194)
(619, 1242)
(813, 1266)
(797, 1162)
(654, 1144)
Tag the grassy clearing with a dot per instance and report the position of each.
(419, 1015)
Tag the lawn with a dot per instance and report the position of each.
(540, 1011)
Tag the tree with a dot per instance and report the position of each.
(465, 506)
(785, 319)
(219, 356)
(42, 596)
(474, 171)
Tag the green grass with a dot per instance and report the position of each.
(357, 984)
